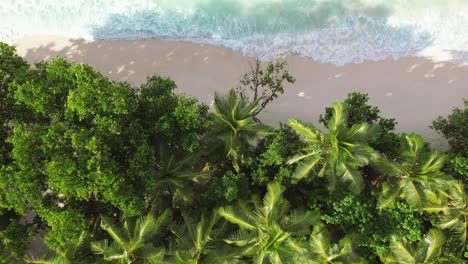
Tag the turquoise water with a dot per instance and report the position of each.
(331, 31)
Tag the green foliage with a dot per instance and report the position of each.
(454, 214)
(200, 242)
(359, 111)
(374, 227)
(66, 227)
(78, 252)
(132, 241)
(70, 158)
(266, 83)
(233, 185)
(454, 128)
(268, 230)
(425, 251)
(337, 154)
(171, 119)
(13, 237)
(451, 253)
(323, 250)
(415, 176)
(272, 152)
(235, 126)
(226, 187)
(13, 69)
(458, 167)
(75, 146)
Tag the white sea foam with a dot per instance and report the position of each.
(330, 31)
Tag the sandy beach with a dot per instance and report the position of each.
(413, 90)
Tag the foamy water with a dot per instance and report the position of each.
(330, 31)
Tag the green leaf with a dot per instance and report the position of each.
(433, 242)
(229, 215)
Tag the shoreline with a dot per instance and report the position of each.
(414, 91)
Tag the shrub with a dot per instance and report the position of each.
(455, 129)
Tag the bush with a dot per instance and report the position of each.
(455, 129)
(375, 227)
(458, 167)
(271, 155)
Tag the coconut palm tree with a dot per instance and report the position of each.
(415, 175)
(454, 213)
(267, 230)
(337, 154)
(72, 253)
(201, 242)
(132, 241)
(235, 124)
(175, 175)
(323, 251)
(424, 252)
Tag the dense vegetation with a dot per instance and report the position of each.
(124, 174)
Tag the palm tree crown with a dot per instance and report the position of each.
(201, 242)
(322, 250)
(424, 252)
(131, 241)
(338, 153)
(78, 252)
(236, 125)
(454, 216)
(415, 175)
(267, 231)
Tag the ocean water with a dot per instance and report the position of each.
(329, 31)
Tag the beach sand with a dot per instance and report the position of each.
(413, 90)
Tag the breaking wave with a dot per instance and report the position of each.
(329, 31)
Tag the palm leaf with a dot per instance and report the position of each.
(305, 130)
(338, 119)
(49, 258)
(353, 177)
(272, 198)
(400, 252)
(414, 194)
(231, 216)
(298, 222)
(99, 247)
(117, 235)
(432, 243)
(306, 166)
(152, 255)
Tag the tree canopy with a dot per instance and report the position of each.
(119, 173)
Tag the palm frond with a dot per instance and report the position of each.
(272, 199)
(320, 242)
(99, 247)
(352, 177)
(299, 222)
(48, 258)
(362, 133)
(338, 119)
(229, 214)
(400, 252)
(414, 194)
(152, 255)
(306, 166)
(268, 232)
(108, 224)
(432, 244)
(307, 131)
